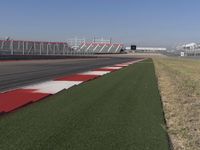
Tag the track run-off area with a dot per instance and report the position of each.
(121, 110)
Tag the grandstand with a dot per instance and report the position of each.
(20, 47)
(100, 48)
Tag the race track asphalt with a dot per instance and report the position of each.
(20, 73)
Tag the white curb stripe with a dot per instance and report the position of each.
(112, 68)
(52, 87)
(122, 65)
(100, 73)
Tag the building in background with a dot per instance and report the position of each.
(190, 49)
(150, 49)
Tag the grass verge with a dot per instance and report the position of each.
(121, 110)
(179, 83)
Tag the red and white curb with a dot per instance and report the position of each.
(17, 98)
(51, 87)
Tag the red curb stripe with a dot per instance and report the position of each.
(12, 100)
(77, 77)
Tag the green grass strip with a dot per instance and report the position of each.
(119, 111)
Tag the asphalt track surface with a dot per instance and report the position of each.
(20, 73)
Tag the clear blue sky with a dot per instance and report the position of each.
(144, 22)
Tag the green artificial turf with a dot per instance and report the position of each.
(119, 111)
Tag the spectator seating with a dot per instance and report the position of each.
(100, 48)
(14, 47)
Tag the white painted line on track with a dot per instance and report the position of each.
(52, 87)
